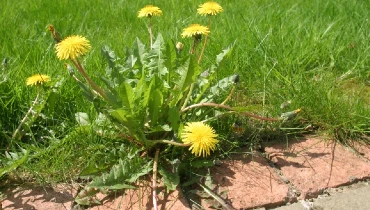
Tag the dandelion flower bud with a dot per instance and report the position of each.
(290, 115)
(235, 78)
(179, 46)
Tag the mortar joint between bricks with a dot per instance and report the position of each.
(358, 154)
(293, 192)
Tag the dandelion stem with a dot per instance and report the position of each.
(216, 197)
(229, 108)
(188, 96)
(229, 96)
(194, 46)
(155, 165)
(89, 80)
(150, 33)
(171, 142)
(205, 41)
(26, 116)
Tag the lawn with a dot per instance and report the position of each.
(312, 54)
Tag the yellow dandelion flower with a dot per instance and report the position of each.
(72, 47)
(195, 30)
(209, 8)
(201, 136)
(37, 79)
(149, 11)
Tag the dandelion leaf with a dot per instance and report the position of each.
(171, 180)
(82, 118)
(170, 61)
(124, 174)
(155, 106)
(126, 94)
(15, 160)
(226, 53)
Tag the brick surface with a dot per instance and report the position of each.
(62, 197)
(141, 198)
(40, 198)
(312, 164)
(250, 182)
(305, 168)
(363, 149)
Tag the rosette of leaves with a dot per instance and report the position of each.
(147, 90)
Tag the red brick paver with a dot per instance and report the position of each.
(362, 149)
(307, 165)
(141, 198)
(58, 197)
(62, 198)
(250, 182)
(313, 164)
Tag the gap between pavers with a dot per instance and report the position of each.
(312, 164)
(351, 197)
(362, 149)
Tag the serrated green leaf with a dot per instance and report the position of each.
(171, 180)
(139, 52)
(126, 94)
(219, 88)
(200, 163)
(226, 53)
(92, 170)
(86, 91)
(86, 201)
(109, 186)
(170, 61)
(131, 61)
(122, 115)
(82, 118)
(193, 180)
(112, 71)
(144, 171)
(220, 60)
(222, 85)
(188, 72)
(108, 83)
(155, 106)
(111, 57)
(159, 128)
(148, 93)
(15, 161)
(156, 56)
(140, 91)
(126, 172)
(174, 117)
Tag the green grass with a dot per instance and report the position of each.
(314, 53)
